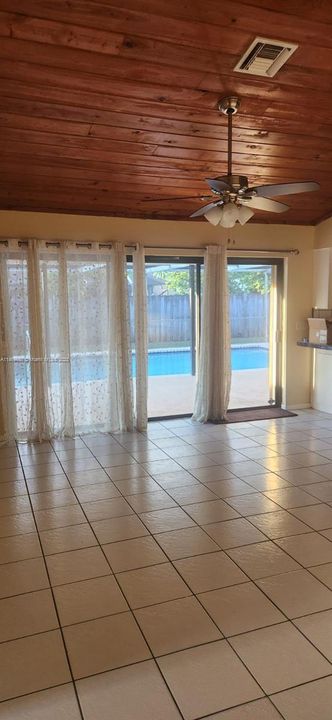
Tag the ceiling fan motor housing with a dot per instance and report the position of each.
(236, 182)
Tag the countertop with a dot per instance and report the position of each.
(318, 346)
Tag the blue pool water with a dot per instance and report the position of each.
(177, 362)
(250, 358)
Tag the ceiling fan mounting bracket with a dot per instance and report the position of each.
(229, 105)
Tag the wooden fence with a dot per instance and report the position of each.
(169, 317)
(249, 315)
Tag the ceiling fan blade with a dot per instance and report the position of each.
(218, 185)
(284, 189)
(205, 209)
(262, 203)
(186, 197)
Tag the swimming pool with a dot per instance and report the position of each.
(178, 362)
(164, 362)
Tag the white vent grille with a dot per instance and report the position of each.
(265, 57)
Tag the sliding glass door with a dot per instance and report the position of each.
(255, 297)
(173, 287)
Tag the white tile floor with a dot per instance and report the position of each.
(186, 573)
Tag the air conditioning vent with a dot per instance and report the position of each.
(265, 57)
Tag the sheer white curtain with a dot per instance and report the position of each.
(7, 378)
(141, 338)
(40, 423)
(54, 334)
(88, 283)
(120, 365)
(65, 353)
(214, 372)
(99, 339)
(15, 359)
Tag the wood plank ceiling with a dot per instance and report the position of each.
(107, 105)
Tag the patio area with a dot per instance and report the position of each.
(174, 394)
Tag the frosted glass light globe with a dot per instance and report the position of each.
(244, 214)
(230, 215)
(214, 215)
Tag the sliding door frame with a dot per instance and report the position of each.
(198, 261)
(277, 340)
(195, 300)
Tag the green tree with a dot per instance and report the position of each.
(176, 282)
(249, 282)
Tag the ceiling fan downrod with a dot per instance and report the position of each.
(229, 106)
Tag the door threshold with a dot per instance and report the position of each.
(160, 418)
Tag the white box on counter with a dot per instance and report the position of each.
(317, 331)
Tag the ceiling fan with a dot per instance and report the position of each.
(232, 199)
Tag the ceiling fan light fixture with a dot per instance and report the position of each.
(244, 214)
(214, 216)
(230, 215)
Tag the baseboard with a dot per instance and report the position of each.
(300, 406)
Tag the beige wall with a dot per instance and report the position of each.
(323, 234)
(297, 361)
(160, 233)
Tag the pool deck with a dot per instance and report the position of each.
(174, 394)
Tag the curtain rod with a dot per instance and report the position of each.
(57, 243)
(283, 251)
